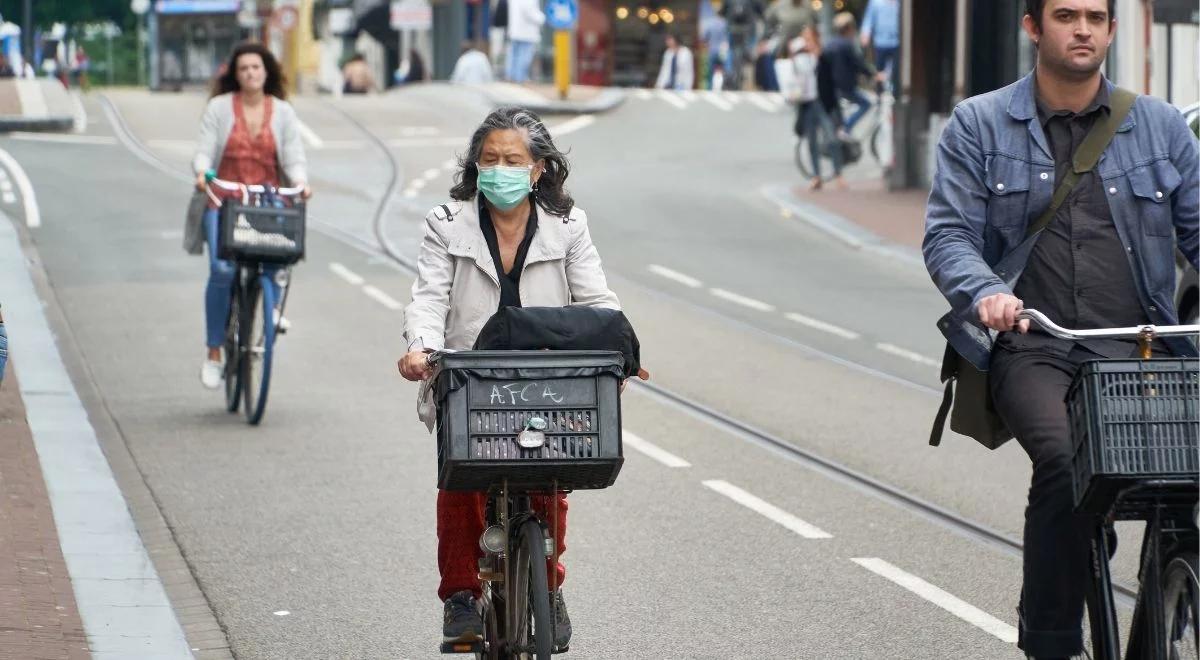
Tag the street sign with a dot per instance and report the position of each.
(139, 7)
(562, 14)
(410, 15)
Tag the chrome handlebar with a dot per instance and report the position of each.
(1135, 332)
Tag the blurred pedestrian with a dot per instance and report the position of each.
(742, 18)
(356, 76)
(6, 70)
(525, 19)
(498, 37)
(249, 134)
(716, 48)
(80, 68)
(412, 70)
(786, 19)
(534, 251)
(796, 72)
(764, 65)
(847, 63)
(473, 66)
(881, 33)
(678, 70)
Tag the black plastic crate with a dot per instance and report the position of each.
(487, 398)
(267, 233)
(1134, 420)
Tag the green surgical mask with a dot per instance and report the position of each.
(505, 187)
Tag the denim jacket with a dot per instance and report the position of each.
(995, 175)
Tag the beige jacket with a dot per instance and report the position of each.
(457, 291)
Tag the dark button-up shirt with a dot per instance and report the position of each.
(1078, 273)
(510, 282)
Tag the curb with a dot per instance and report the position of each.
(60, 124)
(841, 229)
(605, 101)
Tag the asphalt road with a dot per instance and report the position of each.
(325, 512)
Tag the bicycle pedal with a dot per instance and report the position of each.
(473, 646)
(560, 649)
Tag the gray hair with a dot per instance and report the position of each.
(549, 192)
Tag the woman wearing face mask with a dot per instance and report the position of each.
(249, 134)
(511, 236)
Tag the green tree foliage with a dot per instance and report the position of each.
(69, 12)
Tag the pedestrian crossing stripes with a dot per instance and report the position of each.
(721, 101)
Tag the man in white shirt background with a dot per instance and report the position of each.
(678, 71)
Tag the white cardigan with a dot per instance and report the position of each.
(217, 124)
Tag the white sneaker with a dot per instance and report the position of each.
(211, 373)
(282, 325)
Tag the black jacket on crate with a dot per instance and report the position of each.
(570, 328)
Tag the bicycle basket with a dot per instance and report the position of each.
(273, 234)
(1134, 421)
(529, 417)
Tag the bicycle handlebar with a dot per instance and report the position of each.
(1134, 332)
(233, 186)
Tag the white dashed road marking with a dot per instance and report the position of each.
(661, 455)
(942, 599)
(346, 274)
(768, 510)
(572, 125)
(310, 136)
(688, 95)
(761, 102)
(686, 280)
(382, 298)
(733, 97)
(643, 94)
(33, 217)
(822, 326)
(717, 100)
(671, 98)
(908, 355)
(742, 300)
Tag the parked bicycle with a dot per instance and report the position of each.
(520, 424)
(1134, 427)
(262, 232)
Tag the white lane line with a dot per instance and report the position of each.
(768, 510)
(450, 165)
(382, 298)
(310, 136)
(775, 98)
(763, 104)
(672, 98)
(687, 95)
(907, 354)
(432, 173)
(686, 280)
(742, 300)
(416, 184)
(9, 198)
(572, 125)
(715, 99)
(33, 217)
(410, 193)
(179, 145)
(419, 131)
(643, 94)
(942, 599)
(66, 139)
(823, 326)
(346, 274)
(661, 455)
(732, 97)
(81, 117)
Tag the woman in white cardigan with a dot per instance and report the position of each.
(251, 135)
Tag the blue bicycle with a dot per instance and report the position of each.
(262, 232)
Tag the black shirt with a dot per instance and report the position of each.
(1078, 273)
(510, 282)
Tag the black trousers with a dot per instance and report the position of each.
(1029, 389)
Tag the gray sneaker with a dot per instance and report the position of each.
(562, 622)
(460, 620)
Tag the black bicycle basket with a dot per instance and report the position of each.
(531, 418)
(1134, 421)
(269, 232)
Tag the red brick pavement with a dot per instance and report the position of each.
(38, 616)
(897, 216)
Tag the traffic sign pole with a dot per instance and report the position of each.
(562, 62)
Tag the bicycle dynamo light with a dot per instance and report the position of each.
(492, 539)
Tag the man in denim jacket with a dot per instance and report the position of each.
(1105, 260)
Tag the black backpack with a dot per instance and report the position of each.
(570, 328)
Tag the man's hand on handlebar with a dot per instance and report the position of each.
(999, 312)
(201, 183)
(415, 366)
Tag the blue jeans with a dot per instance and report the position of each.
(3, 349)
(811, 122)
(482, 13)
(520, 58)
(857, 97)
(219, 290)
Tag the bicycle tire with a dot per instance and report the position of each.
(233, 372)
(1181, 606)
(531, 596)
(256, 352)
(493, 622)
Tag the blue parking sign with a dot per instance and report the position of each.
(562, 14)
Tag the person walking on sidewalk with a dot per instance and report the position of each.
(251, 135)
(678, 67)
(881, 33)
(796, 71)
(528, 245)
(525, 21)
(847, 64)
(1100, 256)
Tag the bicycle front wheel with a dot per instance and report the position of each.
(1181, 607)
(257, 343)
(533, 635)
(233, 369)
